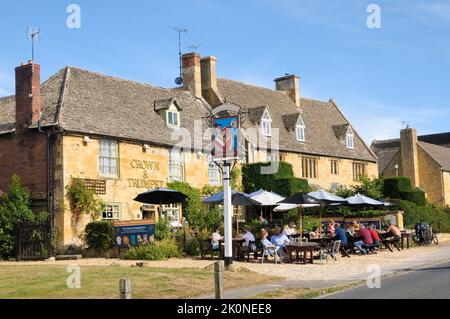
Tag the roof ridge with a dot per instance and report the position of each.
(434, 145)
(116, 78)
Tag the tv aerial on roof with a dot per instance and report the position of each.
(33, 34)
(179, 80)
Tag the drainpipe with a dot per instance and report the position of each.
(49, 168)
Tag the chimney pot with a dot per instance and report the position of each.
(291, 85)
(192, 78)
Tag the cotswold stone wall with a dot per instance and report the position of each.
(430, 176)
(139, 170)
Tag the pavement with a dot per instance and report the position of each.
(431, 282)
(388, 271)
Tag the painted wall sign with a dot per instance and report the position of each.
(133, 233)
(144, 165)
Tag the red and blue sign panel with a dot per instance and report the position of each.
(225, 139)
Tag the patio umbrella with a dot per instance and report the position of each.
(161, 196)
(361, 200)
(266, 199)
(327, 199)
(303, 200)
(237, 199)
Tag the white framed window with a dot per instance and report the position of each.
(112, 211)
(350, 139)
(176, 165)
(173, 119)
(266, 124)
(109, 158)
(300, 130)
(214, 176)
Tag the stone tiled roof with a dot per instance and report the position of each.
(51, 93)
(86, 102)
(319, 117)
(435, 144)
(439, 153)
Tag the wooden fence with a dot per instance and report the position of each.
(33, 241)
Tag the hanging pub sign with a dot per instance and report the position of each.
(225, 139)
(133, 233)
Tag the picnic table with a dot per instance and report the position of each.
(388, 241)
(323, 242)
(301, 249)
(407, 236)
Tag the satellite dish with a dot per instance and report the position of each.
(179, 81)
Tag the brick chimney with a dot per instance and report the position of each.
(410, 157)
(28, 95)
(209, 81)
(291, 85)
(192, 77)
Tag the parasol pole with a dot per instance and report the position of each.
(300, 220)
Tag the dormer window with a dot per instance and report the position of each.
(350, 139)
(173, 119)
(300, 130)
(266, 124)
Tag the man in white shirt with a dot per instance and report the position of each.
(248, 236)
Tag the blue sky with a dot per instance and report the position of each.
(379, 77)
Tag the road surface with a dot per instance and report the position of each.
(428, 283)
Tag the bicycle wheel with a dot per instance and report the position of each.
(435, 239)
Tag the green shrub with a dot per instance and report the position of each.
(289, 186)
(15, 206)
(192, 247)
(310, 223)
(162, 229)
(83, 200)
(393, 186)
(416, 196)
(253, 180)
(100, 235)
(159, 250)
(401, 188)
(414, 214)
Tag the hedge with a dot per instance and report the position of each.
(401, 188)
(437, 217)
(289, 186)
(282, 182)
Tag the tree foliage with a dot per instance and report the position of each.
(15, 206)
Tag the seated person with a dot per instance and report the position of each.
(356, 226)
(215, 240)
(340, 234)
(286, 230)
(292, 228)
(331, 228)
(375, 236)
(279, 240)
(315, 234)
(394, 231)
(249, 237)
(263, 221)
(366, 239)
(349, 230)
(265, 242)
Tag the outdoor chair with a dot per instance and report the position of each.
(332, 251)
(269, 251)
(206, 248)
(246, 251)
